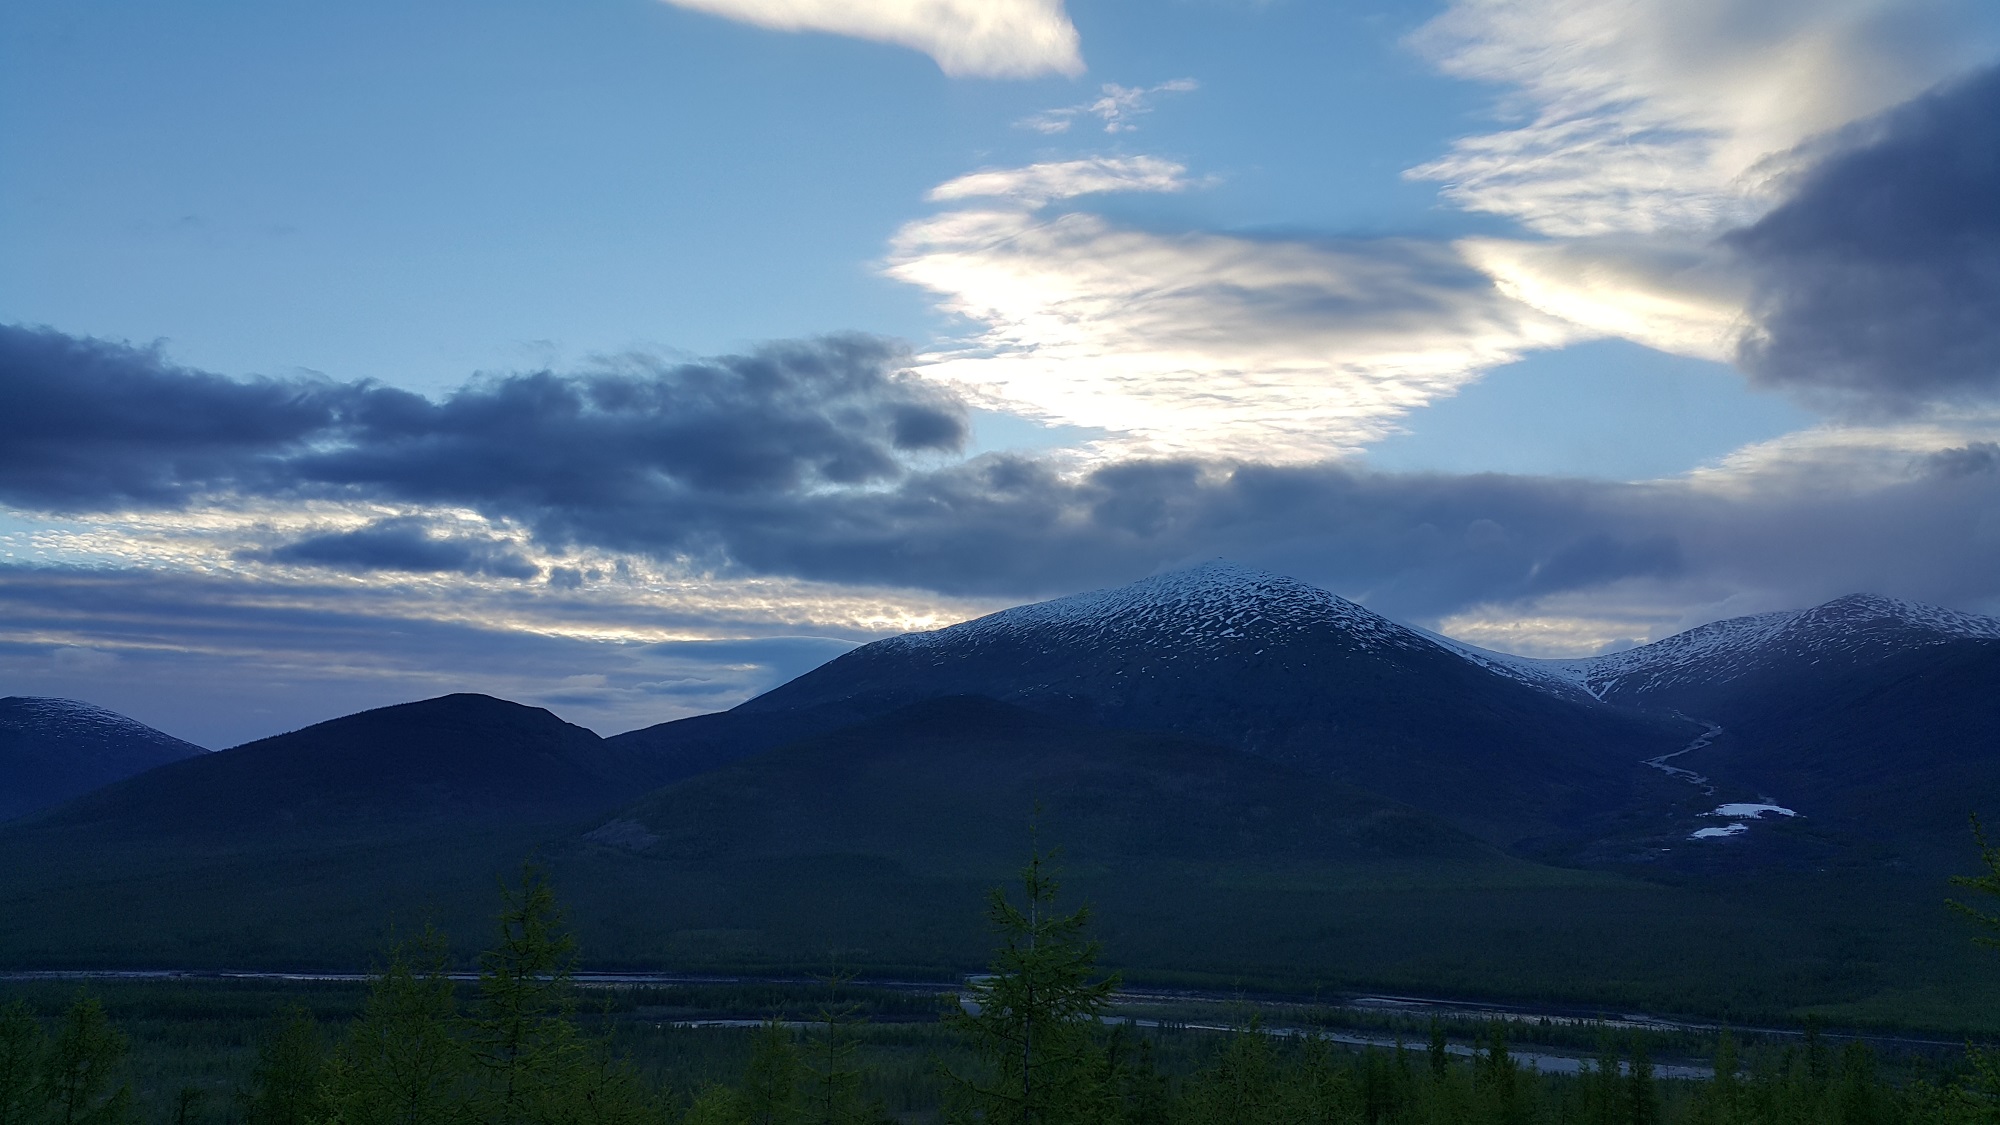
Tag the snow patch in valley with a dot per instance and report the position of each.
(1718, 833)
(1746, 810)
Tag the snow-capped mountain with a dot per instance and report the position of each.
(55, 749)
(1211, 608)
(1270, 665)
(1847, 632)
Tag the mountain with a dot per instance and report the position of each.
(886, 835)
(1705, 667)
(949, 785)
(54, 749)
(1864, 730)
(454, 760)
(1265, 664)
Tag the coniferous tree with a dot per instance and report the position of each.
(1033, 1016)
(1240, 1088)
(1604, 1088)
(1147, 1098)
(1642, 1099)
(1323, 1092)
(403, 1062)
(523, 1034)
(23, 1044)
(79, 1081)
(1721, 1101)
(832, 1093)
(1500, 1080)
(770, 1094)
(287, 1085)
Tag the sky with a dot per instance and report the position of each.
(629, 357)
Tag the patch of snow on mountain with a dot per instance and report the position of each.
(1744, 810)
(1199, 608)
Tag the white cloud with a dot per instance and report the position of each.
(1840, 457)
(1202, 343)
(1675, 297)
(1037, 184)
(1642, 116)
(976, 38)
(1116, 106)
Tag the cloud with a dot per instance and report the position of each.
(676, 551)
(1687, 299)
(1038, 184)
(1116, 106)
(1876, 282)
(967, 38)
(89, 424)
(405, 544)
(1641, 116)
(94, 426)
(1202, 343)
(223, 660)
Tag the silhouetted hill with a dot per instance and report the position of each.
(54, 749)
(454, 759)
(950, 784)
(1268, 665)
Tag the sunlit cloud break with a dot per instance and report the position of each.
(1197, 342)
(968, 38)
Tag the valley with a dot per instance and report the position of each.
(1257, 785)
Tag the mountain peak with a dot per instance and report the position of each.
(1209, 605)
(1853, 628)
(1877, 611)
(30, 711)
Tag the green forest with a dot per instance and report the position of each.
(1037, 1040)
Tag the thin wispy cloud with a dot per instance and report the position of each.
(1115, 107)
(967, 38)
(1642, 116)
(1037, 184)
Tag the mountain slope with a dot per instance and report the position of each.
(1699, 669)
(54, 749)
(950, 784)
(1278, 668)
(451, 760)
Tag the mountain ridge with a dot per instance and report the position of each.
(53, 750)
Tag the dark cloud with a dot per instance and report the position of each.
(1975, 457)
(405, 544)
(1877, 283)
(91, 425)
(86, 424)
(795, 462)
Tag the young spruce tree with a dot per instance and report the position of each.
(402, 1062)
(287, 1086)
(79, 1077)
(1033, 1016)
(524, 1036)
(22, 1045)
